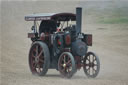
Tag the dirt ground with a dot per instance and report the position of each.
(110, 43)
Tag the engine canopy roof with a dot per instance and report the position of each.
(51, 16)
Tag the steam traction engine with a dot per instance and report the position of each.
(59, 44)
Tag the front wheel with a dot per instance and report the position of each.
(91, 65)
(66, 65)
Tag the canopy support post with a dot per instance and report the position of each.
(35, 28)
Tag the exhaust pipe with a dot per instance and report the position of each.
(78, 19)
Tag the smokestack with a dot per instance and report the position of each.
(78, 19)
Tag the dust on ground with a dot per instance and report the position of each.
(110, 43)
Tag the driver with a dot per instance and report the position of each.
(48, 26)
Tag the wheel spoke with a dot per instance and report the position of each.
(94, 71)
(38, 66)
(61, 64)
(40, 53)
(37, 50)
(35, 65)
(41, 61)
(33, 62)
(86, 65)
(39, 69)
(68, 62)
(89, 59)
(89, 70)
(34, 49)
(95, 64)
(94, 58)
(63, 70)
(64, 59)
(68, 70)
(33, 55)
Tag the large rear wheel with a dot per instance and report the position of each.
(39, 58)
(91, 65)
(66, 65)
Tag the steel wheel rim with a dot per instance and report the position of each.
(91, 65)
(36, 59)
(65, 65)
